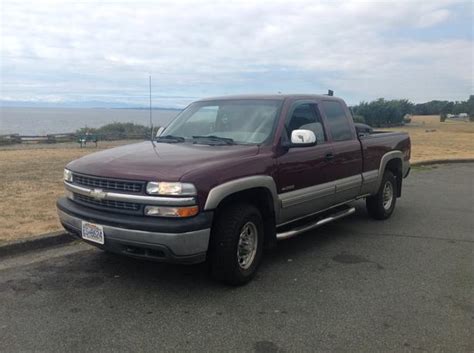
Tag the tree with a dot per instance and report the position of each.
(470, 106)
(384, 113)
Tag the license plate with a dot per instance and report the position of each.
(93, 232)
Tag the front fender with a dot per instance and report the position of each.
(220, 192)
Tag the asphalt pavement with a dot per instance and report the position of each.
(357, 285)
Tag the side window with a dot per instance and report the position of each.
(337, 121)
(305, 117)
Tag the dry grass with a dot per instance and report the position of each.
(450, 140)
(31, 176)
(30, 182)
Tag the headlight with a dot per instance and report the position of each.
(165, 188)
(159, 211)
(67, 175)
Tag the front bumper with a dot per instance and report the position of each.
(165, 240)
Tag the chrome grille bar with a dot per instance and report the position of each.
(113, 196)
(110, 184)
(128, 206)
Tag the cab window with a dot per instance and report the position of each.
(305, 116)
(337, 121)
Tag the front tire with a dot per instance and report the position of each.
(381, 205)
(236, 244)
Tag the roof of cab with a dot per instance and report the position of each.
(272, 97)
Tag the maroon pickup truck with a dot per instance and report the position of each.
(230, 176)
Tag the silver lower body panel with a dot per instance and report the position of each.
(189, 246)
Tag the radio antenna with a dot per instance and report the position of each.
(151, 118)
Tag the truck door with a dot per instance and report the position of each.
(303, 184)
(345, 168)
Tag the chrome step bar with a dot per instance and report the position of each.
(293, 232)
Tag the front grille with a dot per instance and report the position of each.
(108, 184)
(120, 205)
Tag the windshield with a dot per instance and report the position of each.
(246, 121)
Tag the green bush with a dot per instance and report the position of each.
(383, 112)
(118, 131)
(359, 119)
(438, 107)
(442, 117)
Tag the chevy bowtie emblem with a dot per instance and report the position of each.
(97, 194)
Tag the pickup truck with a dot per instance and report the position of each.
(229, 177)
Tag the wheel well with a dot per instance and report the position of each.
(396, 167)
(262, 199)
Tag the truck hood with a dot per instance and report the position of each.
(163, 162)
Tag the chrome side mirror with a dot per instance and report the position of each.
(303, 138)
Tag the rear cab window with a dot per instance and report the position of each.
(338, 122)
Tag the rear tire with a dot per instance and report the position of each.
(236, 244)
(381, 205)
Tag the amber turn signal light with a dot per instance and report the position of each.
(181, 212)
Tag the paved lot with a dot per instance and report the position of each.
(403, 285)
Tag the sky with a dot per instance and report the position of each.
(104, 51)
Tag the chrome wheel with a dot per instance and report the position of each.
(247, 247)
(387, 195)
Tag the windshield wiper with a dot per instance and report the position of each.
(170, 139)
(215, 139)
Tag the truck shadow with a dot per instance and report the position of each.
(165, 275)
(113, 274)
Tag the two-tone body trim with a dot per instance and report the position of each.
(304, 195)
(299, 203)
(296, 204)
(369, 181)
(387, 158)
(294, 198)
(349, 183)
(220, 192)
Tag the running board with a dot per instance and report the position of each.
(293, 232)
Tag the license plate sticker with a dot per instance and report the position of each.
(93, 232)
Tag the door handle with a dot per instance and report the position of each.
(329, 156)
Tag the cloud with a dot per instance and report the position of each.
(106, 50)
(433, 18)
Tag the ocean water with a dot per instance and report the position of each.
(41, 121)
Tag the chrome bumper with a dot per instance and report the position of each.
(188, 247)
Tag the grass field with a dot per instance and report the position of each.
(31, 175)
(450, 140)
(30, 182)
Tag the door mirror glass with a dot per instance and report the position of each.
(303, 138)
